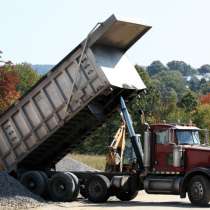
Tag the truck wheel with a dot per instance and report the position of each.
(126, 195)
(199, 190)
(76, 182)
(98, 187)
(61, 187)
(34, 181)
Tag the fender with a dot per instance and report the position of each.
(196, 171)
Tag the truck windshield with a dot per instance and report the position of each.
(187, 137)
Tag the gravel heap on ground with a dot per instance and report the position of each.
(69, 164)
(13, 195)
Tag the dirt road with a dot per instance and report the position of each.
(142, 201)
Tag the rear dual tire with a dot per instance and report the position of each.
(60, 187)
(98, 188)
(63, 187)
(76, 182)
(35, 181)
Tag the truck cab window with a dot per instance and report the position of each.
(162, 137)
(187, 137)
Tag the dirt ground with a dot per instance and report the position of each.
(142, 201)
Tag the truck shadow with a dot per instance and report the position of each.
(140, 203)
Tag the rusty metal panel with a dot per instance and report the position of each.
(60, 107)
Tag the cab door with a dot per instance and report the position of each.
(163, 151)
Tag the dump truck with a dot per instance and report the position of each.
(71, 101)
(77, 96)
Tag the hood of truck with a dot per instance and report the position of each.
(196, 156)
(196, 147)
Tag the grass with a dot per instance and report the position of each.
(94, 161)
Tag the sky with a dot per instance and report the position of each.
(44, 31)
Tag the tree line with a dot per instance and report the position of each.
(169, 97)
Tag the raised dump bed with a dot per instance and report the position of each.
(75, 97)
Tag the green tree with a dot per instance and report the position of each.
(28, 77)
(194, 84)
(204, 87)
(168, 102)
(179, 115)
(155, 67)
(189, 102)
(204, 69)
(202, 116)
(171, 79)
(149, 100)
(143, 74)
(182, 67)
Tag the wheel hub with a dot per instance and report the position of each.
(31, 185)
(197, 191)
(60, 187)
(96, 188)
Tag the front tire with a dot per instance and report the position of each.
(199, 190)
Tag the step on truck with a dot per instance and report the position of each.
(71, 101)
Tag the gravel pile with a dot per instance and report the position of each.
(13, 195)
(69, 164)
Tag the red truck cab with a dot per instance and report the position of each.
(176, 162)
(168, 138)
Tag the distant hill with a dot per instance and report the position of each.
(42, 68)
